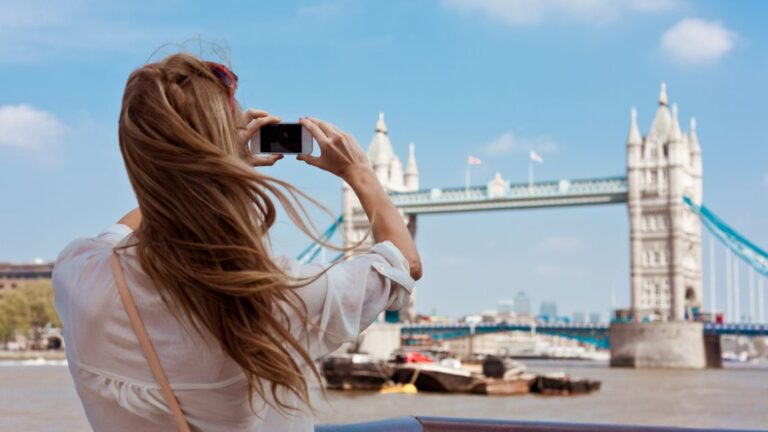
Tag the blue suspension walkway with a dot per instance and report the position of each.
(738, 244)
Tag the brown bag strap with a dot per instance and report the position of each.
(146, 345)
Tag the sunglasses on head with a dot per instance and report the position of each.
(227, 77)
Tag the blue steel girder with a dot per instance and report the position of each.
(736, 329)
(594, 334)
(593, 191)
(740, 245)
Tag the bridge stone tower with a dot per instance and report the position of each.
(389, 171)
(665, 235)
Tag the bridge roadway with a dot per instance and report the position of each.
(608, 190)
(595, 334)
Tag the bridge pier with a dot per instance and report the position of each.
(713, 351)
(671, 345)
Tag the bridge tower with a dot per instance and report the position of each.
(665, 235)
(389, 170)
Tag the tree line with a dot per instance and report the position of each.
(27, 309)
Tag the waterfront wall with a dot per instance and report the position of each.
(675, 344)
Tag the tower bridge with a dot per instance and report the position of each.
(663, 192)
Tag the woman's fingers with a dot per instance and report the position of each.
(324, 126)
(335, 129)
(311, 160)
(252, 114)
(259, 161)
(315, 131)
(254, 125)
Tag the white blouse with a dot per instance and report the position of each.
(113, 378)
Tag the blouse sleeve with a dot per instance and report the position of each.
(349, 296)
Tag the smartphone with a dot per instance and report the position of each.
(290, 138)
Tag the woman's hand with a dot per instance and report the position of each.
(339, 152)
(340, 155)
(250, 122)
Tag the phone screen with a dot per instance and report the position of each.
(281, 138)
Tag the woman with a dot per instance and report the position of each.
(233, 329)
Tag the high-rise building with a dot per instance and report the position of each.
(522, 305)
(594, 317)
(579, 317)
(548, 311)
(506, 309)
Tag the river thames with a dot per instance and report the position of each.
(42, 398)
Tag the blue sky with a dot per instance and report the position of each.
(487, 78)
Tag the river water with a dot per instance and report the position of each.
(42, 398)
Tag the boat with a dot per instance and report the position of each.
(502, 367)
(431, 377)
(560, 384)
(503, 387)
(355, 372)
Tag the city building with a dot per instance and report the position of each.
(665, 239)
(595, 317)
(17, 275)
(579, 317)
(548, 311)
(522, 304)
(506, 310)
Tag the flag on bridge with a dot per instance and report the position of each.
(473, 160)
(536, 157)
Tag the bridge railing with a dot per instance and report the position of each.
(444, 424)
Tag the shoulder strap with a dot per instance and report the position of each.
(146, 344)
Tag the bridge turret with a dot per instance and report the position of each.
(396, 175)
(634, 138)
(694, 138)
(696, 166)
(665, 236)
(380, 153)
(411, 170)
(662, 121)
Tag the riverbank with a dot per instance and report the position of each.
(32, 355)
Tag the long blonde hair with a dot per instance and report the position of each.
(205, 217)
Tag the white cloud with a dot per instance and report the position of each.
(695, 41)
(560, 244)
(26, 127)
(535, 12)
(509, 142)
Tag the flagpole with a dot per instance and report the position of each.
(466, 177)
(530, 175)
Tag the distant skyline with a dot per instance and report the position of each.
(492, 79)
